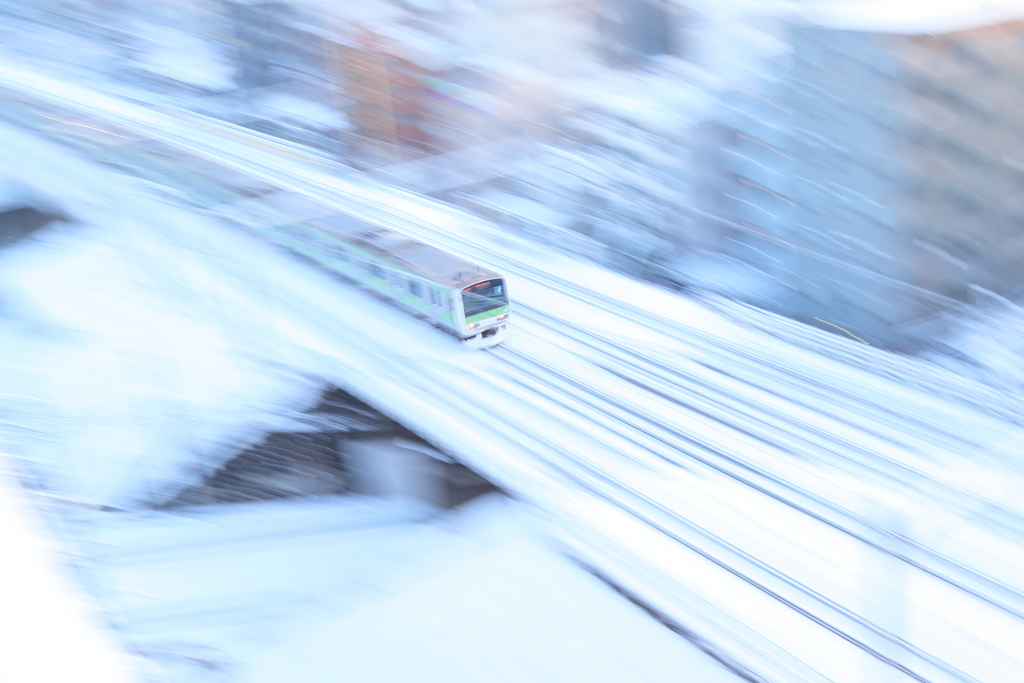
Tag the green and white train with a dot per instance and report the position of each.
(455, 295)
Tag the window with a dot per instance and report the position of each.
(416, 289)
(484, 296)
(376, 271)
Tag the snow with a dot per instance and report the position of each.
(225, 583)
(305, 111)
(740, 50)
(214, 586)
(522, 207)
(183, 57)
(912, 16)
(43, 607)
(144, 369)
(15, 193)
(619, 140)
(428, 5)
(515, 611)
(363, 11)
(655, 100)
(991, 339)
(512, 70)
(729, 277)
(306, 588)
(418, 47)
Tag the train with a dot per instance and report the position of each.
(464, 299)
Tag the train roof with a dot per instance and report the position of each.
(406, 253)
(284, 208)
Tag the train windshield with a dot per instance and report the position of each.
(483, 297)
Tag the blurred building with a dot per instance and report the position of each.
(413, 94)
(881, 174)
(606, 113)
(264, 41)
(434, 77)
(614, 177)
(632, 30)
(401, 74)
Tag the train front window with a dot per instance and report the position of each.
(484, 296)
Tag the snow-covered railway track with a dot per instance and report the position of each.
(935, 380)
(844, 432)
(766, 470)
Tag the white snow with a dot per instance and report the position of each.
(522, 207)
(418, 47)
(304, 111)
(155, 361)
(658, 100)
(729, 277)
(911, 16)
(743, 49)
(515, 611)
(364, 11)
(229, 582)
(183, 57)
(305, 588)
(992, 338)
(145, 368)
(48, 632)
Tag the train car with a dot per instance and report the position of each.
(459, 297)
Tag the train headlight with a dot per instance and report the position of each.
(502, 316)
(471, 326)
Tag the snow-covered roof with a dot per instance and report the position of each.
(912, 16)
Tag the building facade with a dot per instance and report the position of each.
(879, 177)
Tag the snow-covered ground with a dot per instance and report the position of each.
(513, 611)
(304, 590)
(721, 473)
(50, 630)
